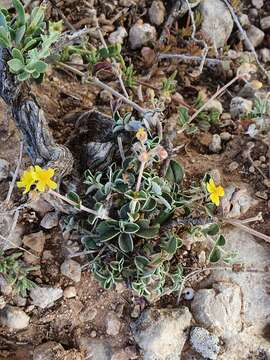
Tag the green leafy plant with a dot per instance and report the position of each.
(16, 273)
(28, 40)
(129, 238)
(169, 85)
(203, 121)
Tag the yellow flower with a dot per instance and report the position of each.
(27, 180)
(141, 134)
(43, 179)
(215, 192)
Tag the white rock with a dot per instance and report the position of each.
(255, 36)
(265, 23)
(95, 349)
(14, 318)
(204, 343)
(265, 55)
(113, 324)
(4, 169)
(240, 106)
(258, 4)
(214, 105)
(236, 202)
(141, 34)
(118, 36)
(215, 145)
(35, 241)
(44, 297)
(70, 292)
(71, 269)
(244, 20)
(217, 21)
(157, 12)
(48, 351)
(160, 333)
(5, 287)
(50, 220)
(218, 308)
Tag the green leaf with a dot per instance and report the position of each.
(183, 116)
(20, 12)
(37, 16)
(74, 197)
(125, 242)
(212, 230)
(36, 75)
(175, 172)
(131, 228)
(3, 21)
(215, 255)
(40, 66)
(149, 205)
(23, 76)
(17, 54)
(20, 34)
(5, 37)
(30, 44)
(221, 241)
(171, 243)
(106, 232)
(146, 231)
(141, 262)
(15, 65)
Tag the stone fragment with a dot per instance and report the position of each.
(161, 333)
(205, 343)
(95, 349)
(217, 21)
(70, 292)
(141, 34)
(50, 220)
(157, 12)
(240, 106)
(71, 269)
(215, 145)
(113, 324)
(118, 36)
(255, 36)
(35, 241)
(265, 23)
(45, 297)
(4, 169)
(14, 318)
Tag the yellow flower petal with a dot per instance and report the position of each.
(41, 186)
(215, 199)
(211, 187)
(220, 191)
(52, 185)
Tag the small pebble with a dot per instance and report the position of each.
(188, 293)
(225, 136)
(70, 292)
(252, 169)
(262, 195)
(93, 334)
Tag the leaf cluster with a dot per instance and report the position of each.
(28, 40)
(15, 273)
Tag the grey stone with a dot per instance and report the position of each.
(214, 105)
(35, 241)
(157, 12)
(95, 349)
(113, 324)
(255, 36)
(141, 34)
(71, 269)
(265, 23)
(50, 220)
(240, 106)
(265, 55)
(50, 350)
(160, 333)
(15, 239)
(118, 36)
(44, 297)
(204, 343)
(5, 287)
(14, 318)
(217, 21)
(218, 308)
(215, 145)
(236, 201)
(4, 169)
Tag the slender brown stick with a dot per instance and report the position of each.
(10, 190)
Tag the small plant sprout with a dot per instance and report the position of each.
(28, 40)
(216, 192)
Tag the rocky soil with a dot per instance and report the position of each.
(224, 311)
